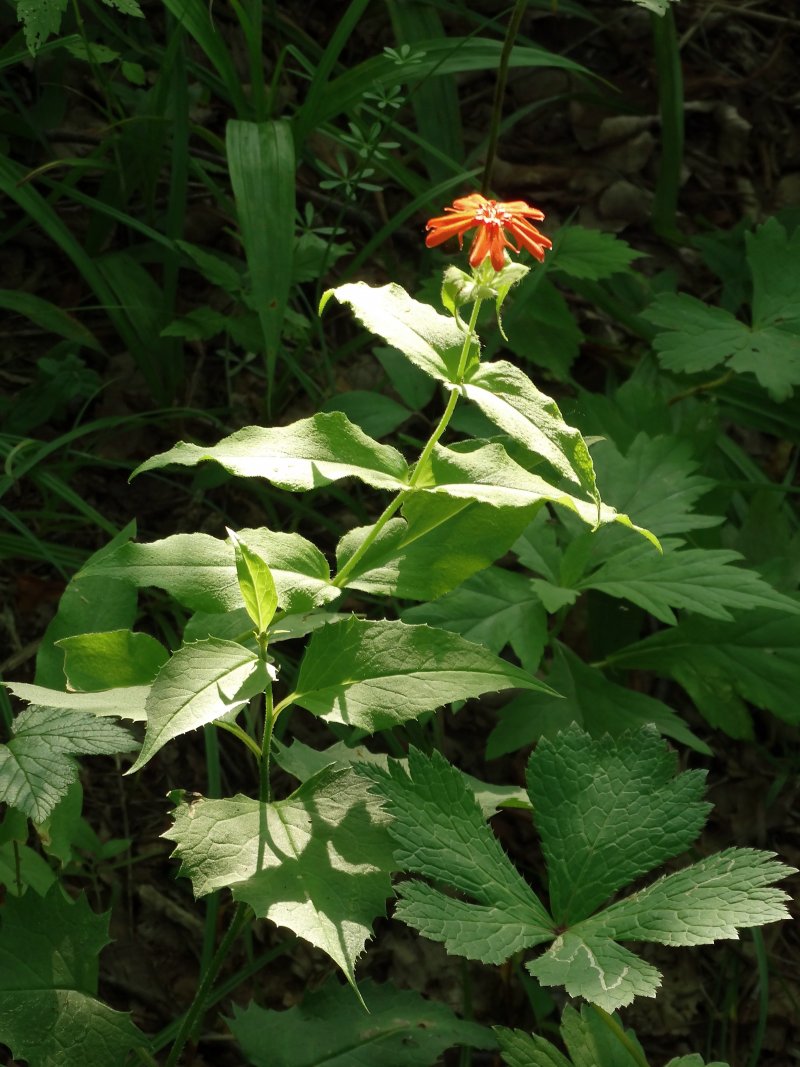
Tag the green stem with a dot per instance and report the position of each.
(671, 108)
(266, 747)
(419, 467)
(198, 1006)
(500, 92)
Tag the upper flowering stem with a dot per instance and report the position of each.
(492, 220)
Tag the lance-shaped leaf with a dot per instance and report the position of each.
(110, 660)
(403, 1029)
(439, 542)
(256, 584)
(200, 570)
(202, 682)
(487, 473)
(441, 834)
(701, 580)
(317, 863)
(38, 765)
(609, 810)
(49, 1012)
(431, 341)
(127, 703)
(509, 398)
(378, 674)
(528, 1050)
(305, 455)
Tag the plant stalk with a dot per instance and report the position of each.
(500, 92)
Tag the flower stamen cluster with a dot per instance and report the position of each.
(491, 219)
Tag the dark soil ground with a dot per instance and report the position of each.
(595, 155)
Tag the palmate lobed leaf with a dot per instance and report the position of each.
(38, 765)
(403, 1029)
(49, 1012)
(317, 863)
(376, 675)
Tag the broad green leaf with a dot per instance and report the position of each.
(87, 604)
(589, 699)
(655, 483)
(609, 810)
(23, 869)
(125, 703)
(261, 163)
(256, 584)
(49, 1012)
(40, 19)
(38, 765)
(696, 337)
(701, 580)
(591, 254)
(376, 675)
(595, 1039)
(431, 341)
(329, 1026)
(756, 658)
(596, 968)
(510, 399)
(494, 608)
(305, 455)
(200, 570)
(202, 682)
(487, 473)
(438, 544)
(412, 385)
(774, 257)
(541, 328)
(440, 834)
(700, 904)
(317, 863)
(111, 660)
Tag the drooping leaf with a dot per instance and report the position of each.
(317, 863)
(200, 570)
(403, 1029)
(441, 834)
(378, 674)
(126, 703)
(510, 399)
(309, 453)
(38, 765)
(202, 682)
(609, 810)
(111, 660)
(49, 1012)
(589, 699)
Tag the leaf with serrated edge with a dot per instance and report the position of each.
(49, 1012)
(309, 453)
(609, 810)
(591, 1041)
(37, 765)
(509, 398)
(528, 1050)
(596, 968)
(378, 674)
(702, 903)
(317, 863)
(202, 682)
(702, 580)
(591, 254)
(200, 570)
(256, 584)
(431, 341)
(403, 1029)
(440, 833)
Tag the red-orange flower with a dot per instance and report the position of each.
(491, 219)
